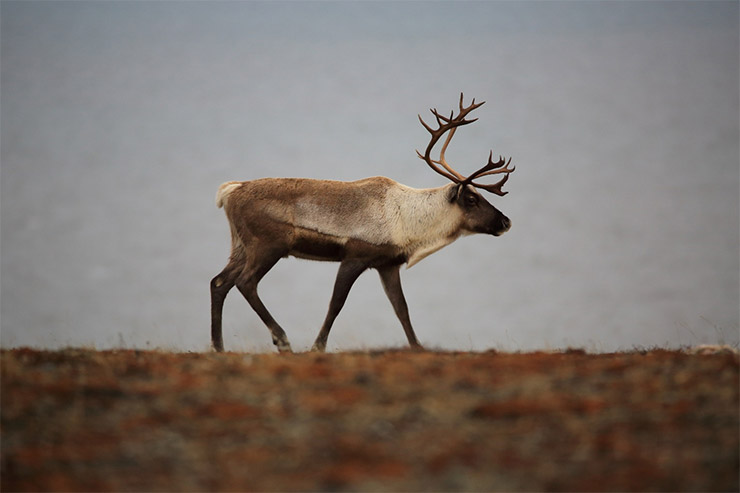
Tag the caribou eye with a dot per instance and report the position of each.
(471, 199)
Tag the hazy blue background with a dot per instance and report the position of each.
(120, 120)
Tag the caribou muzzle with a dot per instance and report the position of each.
(501, 226)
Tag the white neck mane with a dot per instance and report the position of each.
(423, 220)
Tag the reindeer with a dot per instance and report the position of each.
(374, 223)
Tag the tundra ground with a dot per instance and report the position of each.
(387, 420)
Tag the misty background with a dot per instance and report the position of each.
(119, 120)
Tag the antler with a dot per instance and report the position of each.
(446, 125)
(450, 124)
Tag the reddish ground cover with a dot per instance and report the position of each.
(388, 420)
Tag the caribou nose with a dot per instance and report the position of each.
(506, 223)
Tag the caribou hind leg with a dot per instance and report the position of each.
(220, 287)
(391, 279)
(222, 284)
(247, 282)
(349, 271)
(245, 272)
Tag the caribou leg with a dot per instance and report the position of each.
(349, 271)
(220, 287)
(391, 279)
(247, 285)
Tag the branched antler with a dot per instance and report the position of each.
(499, 167)
(450, 124)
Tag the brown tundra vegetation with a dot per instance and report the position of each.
(128, 420)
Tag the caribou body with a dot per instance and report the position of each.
(374, 223)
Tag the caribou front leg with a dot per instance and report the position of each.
(391, 279)
(349, 271)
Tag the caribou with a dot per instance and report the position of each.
(374, 223)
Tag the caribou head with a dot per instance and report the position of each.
(480, 215)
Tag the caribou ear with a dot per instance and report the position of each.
(454, 193)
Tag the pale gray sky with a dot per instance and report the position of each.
(119, 120)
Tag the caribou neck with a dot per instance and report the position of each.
(425, 221)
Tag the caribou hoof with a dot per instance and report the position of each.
(283, 346)
(318, 348)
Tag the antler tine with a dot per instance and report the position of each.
(439, 117)
(429, 129)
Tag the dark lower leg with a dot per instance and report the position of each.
(220, 287)
(257, 267)
(391, 279)
(279, 338)
(348, 273)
